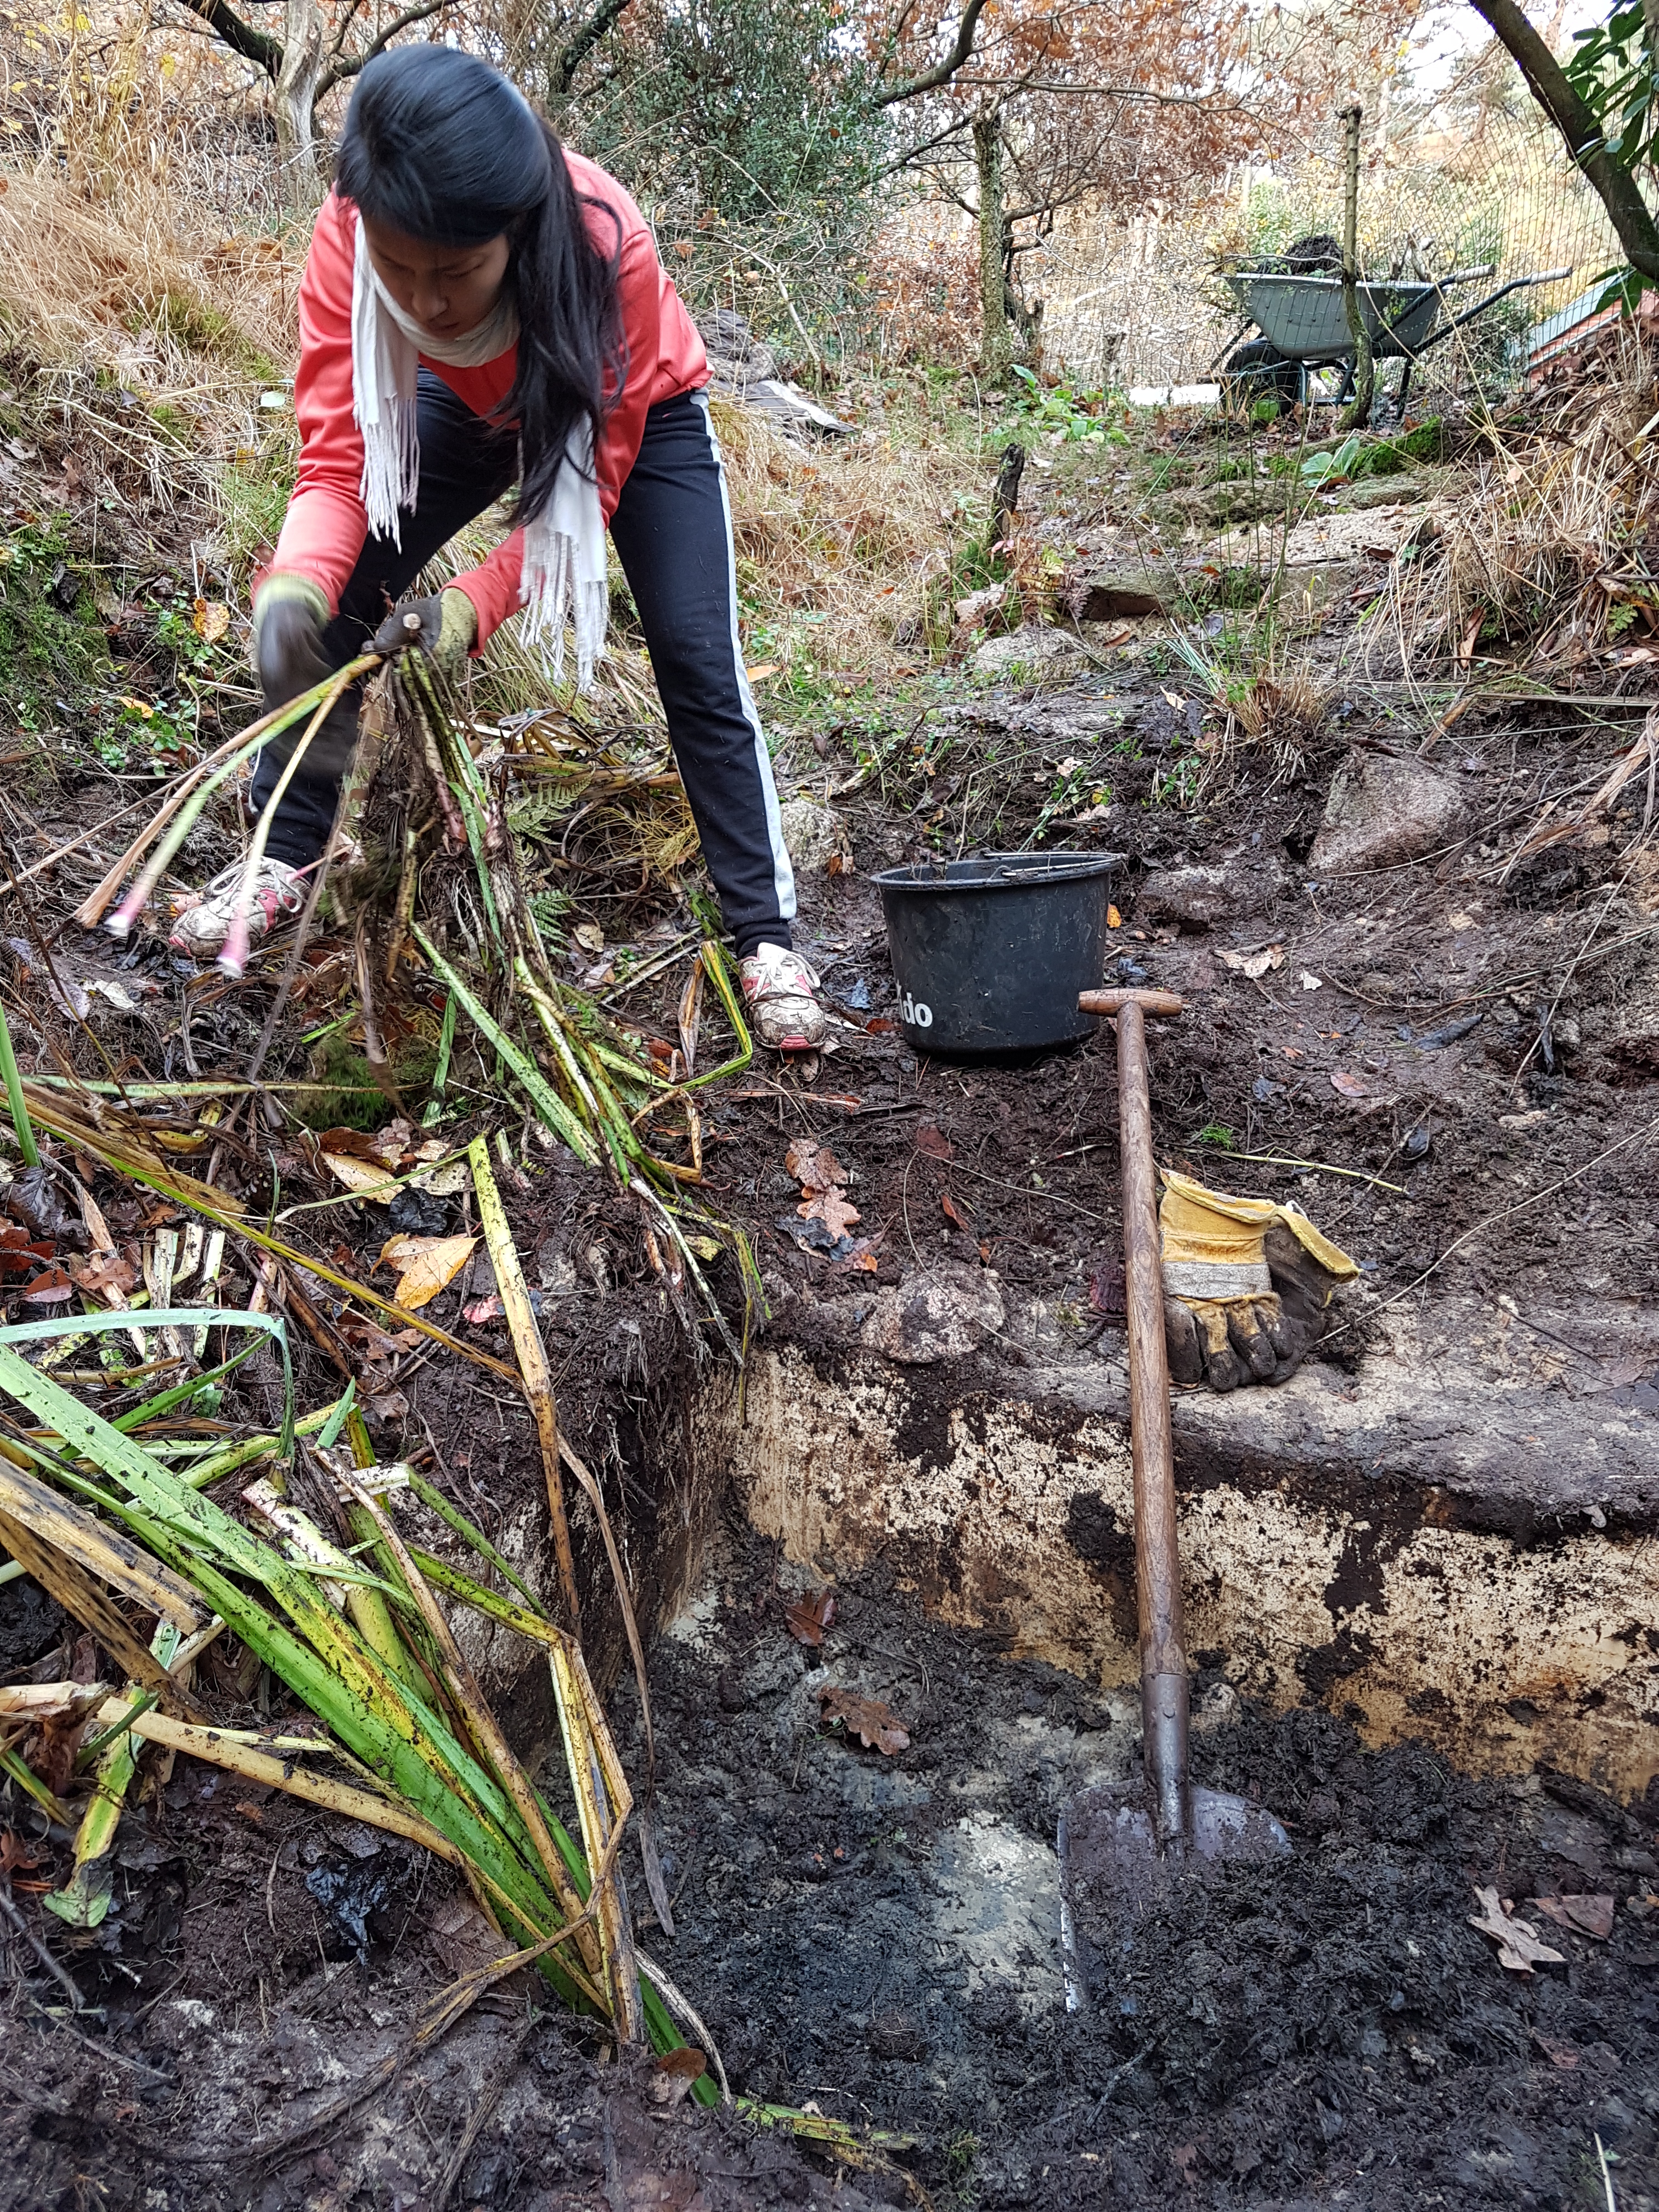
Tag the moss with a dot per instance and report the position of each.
(52, 646)
(345, 1096)
(1428, 442)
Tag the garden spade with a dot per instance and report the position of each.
(1121, 1838)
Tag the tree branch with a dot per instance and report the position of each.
(338, 42)
(342, 70)
(577, 48)
(241, 38)
(1581, 127)
(914, 153)
(942, 72)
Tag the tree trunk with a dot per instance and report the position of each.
(296, 93)
(996, 341)
(1617, 189)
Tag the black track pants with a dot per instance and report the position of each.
(672, 530)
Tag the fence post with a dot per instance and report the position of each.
(1365, 366)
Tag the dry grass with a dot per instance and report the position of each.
(846, 551)
(1542, 560)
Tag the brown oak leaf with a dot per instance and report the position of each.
(831, 1208)
(813, 1166)
(877, 1726)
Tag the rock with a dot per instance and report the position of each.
(736, 358)
(1031, 648)
(1383, 810)
(813, 834)
(1110, 591)
(744, 368)
(943, 1315)
(1227, 891)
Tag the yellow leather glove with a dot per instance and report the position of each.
(1246, 1285)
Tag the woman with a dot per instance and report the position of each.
(482, 306)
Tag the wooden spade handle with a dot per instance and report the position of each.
(1163, 1686)
(1113, 1002)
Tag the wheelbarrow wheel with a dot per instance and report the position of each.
(1259, 371)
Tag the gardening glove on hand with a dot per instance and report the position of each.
(447, 629)
(1246, 1284)
(289, 614)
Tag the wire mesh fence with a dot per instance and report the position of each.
(1459, 218)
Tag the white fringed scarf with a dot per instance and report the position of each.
(564, 557)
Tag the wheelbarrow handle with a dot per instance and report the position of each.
(1515, 284)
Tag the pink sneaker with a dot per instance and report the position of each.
(279, 892)
(780, 994)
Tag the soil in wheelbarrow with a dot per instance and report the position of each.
(880, 1934)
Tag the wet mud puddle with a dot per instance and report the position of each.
(882, 1934)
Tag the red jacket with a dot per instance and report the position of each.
(326, 526)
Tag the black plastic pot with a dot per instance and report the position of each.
(989, 955)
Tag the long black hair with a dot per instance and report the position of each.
(440, 146)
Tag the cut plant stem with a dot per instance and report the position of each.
(532, 1363)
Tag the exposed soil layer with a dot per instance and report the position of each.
(882, 1934)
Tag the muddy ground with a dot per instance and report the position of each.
(880, 1935)
(884, 1934)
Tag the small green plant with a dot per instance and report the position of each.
(1065, 415)
(961, 2156)
(1217, 1133)
(1177, 785)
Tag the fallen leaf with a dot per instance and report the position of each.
(1108, 1292)
(763, 668)
(54, 1288)
(1584, 1916)
(109, 1271)
(831, 1208)
(1459, 921)
(1113, 918)
(808, 1618)
(427, 1265)
(210, 620)
(1255, 965)
(1174, 698)
(1349, 1085)
(813, 1167)
(882, 1025)
(672, 2076)
(370, 1181)
(33, 1197)
(1311, 983)
(444, 1182)
(1520, 1949)
(1559, 2054)
(934, 1142)
(952, 1213)
(877, 1726)
(589, 936)
(859, 1259)
(119, 997)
